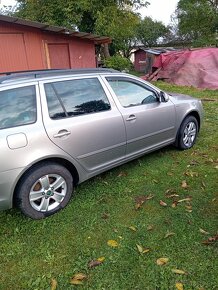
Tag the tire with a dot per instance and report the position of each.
(44, 190)
(187, 133)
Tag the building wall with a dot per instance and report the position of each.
(23, 48)
(140, 60)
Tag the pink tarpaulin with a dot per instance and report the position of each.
(197, 68)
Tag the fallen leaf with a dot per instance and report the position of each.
(162, 261)
(169, 234)
(112, 243)
(184, 184)
(203, 232)
(191, 174)
(95, 263)
(132, 228)
(184, 199)
(101, 259)
(155, 181)
(203, 184)
(142, 250)
(216, 167)
(179, 286)
(54, 284)
(162, 203)
(78, 278)
(122, 173)
(211, 240)
(169, 173)
(174, 204)
(171, 195)
(105, 216)
(178, 271)
(150, 227)
(141, 199)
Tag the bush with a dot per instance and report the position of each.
(118, 62)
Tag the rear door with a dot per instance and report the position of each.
(149, 123)
(83, 120)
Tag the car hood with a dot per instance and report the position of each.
(177, 98)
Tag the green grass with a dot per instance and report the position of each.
(34, 252)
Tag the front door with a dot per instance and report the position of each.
(82, 121)
(150, 124)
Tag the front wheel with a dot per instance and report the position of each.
(187, 133)
(44, 190)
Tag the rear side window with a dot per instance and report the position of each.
(17, 107)
(75, 97)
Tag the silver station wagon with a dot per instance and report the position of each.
(59, 128)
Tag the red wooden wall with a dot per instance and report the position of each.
(23, 48)
(140, 57)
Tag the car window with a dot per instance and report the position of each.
(131, 94)
(17, 107)
(75, 97)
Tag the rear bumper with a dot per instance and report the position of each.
(8, 181)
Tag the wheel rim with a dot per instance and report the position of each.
(189, 134)
(48, 192)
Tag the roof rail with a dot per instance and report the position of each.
(50, 72)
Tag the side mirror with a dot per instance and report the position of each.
(164, 97)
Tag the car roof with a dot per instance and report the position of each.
(30, 75)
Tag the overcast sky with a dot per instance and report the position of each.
(160, 10)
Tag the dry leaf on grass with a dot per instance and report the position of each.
(162, 203)
(54, 284)
(132, 228)
(185, 199)
(174, 204)
(95, 263)
(162, 261)
(211, 240)
(78, 278)
(184, 184)
(150, 227)
(179, 286)
(169, 234)
(142, 250)
(178, 271)
(122, 173)
(203, 232)
(112, 243)
(141, 199)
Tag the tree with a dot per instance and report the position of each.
(121, 26)
(198, 20)
(149, 31)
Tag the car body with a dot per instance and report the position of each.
(84, 122)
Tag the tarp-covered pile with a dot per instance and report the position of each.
(197, 68)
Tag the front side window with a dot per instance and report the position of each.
(75, 97)
(131, 94)
(17, 107)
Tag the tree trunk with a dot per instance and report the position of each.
(106, 50)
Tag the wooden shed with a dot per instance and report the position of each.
(30, 45)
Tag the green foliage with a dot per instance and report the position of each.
(149, 31)
(198, 20)
(120, 25)
(118, 62)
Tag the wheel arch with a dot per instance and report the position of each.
(194, 114)
(61, 161)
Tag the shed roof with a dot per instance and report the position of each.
(156, 51)
(56, 29)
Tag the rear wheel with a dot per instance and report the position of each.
(44, 190)
(187, 133)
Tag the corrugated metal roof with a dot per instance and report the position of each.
(56, 29)
(157, 51)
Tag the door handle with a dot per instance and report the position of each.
(131, 118)
(62, 133)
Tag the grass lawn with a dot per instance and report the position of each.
(32, 253)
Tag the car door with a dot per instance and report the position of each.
(149, 122)
(82, 120)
